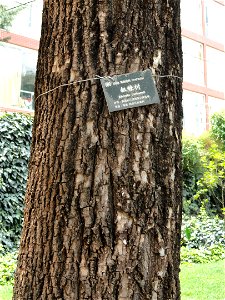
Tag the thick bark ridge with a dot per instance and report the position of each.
(103, 203)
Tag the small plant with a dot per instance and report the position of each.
(7, 267)
(202, 255)
(202, 231)
(202, 238)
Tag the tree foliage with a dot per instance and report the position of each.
(211, 186)
(204, 169)
(218, 127)
(7, 16)
(192, 169)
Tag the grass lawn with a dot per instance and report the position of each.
(203, 281)
(6, 292)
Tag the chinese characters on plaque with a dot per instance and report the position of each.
(129, 90)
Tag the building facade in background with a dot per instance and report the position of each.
(18, 56)
(203, 24)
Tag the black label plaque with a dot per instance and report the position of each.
(129, 90)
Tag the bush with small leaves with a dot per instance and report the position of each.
(218, 127)
(7, 266)
(192, 171)
(15, 139)
(202, 255)
(202, 231)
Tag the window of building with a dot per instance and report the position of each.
(193, 61)
(191, 15)
(215, 21)
(29, 60)
(194, 121)
(215, 69)
(215, 105)
(17, 76)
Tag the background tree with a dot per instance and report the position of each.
(103, 202)
(7, 15)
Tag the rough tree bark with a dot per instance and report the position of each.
(103, 202)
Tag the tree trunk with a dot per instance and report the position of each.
(103, 203)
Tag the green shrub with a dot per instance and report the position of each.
(218, 127)
(7, 267)
(202, 231)
(203, 175)
(192, 172)
(15, 138)
(202, 238)
(211, 186)
(202, 255)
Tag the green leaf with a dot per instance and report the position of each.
(15, 138)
